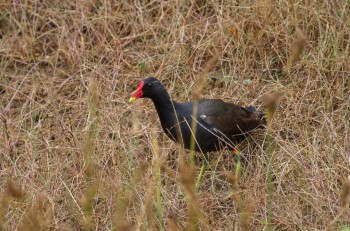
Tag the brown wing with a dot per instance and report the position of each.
(229, 118)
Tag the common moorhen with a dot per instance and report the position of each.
(219, 124)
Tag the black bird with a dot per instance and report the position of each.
(219, 124)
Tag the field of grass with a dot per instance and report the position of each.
(75, 155)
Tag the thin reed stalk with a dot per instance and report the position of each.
(196, 96)
(271, 103)
(89, 152)
(157, 177)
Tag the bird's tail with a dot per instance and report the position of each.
(261, 114)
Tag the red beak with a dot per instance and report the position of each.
(138, 93)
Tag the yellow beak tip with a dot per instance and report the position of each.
(132, 99)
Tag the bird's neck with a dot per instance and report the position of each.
(165, 108)
(162, 101)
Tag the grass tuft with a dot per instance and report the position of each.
(80, 157)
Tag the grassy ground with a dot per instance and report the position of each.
(74, 154)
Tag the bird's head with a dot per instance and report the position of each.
(145, 89)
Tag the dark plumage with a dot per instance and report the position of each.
(220, 124)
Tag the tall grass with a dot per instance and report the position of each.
(90, 156)
(271, 103)
(157, 177)
(75, 152)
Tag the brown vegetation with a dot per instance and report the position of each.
(74, 154)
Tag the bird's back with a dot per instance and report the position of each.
(218, 124)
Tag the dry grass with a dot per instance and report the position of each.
(75, 155)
